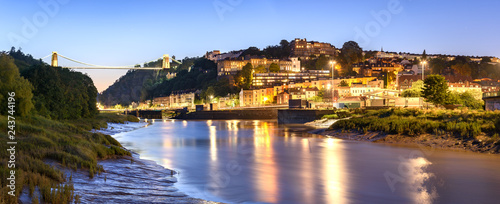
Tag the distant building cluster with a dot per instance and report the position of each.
(308, 90)
(304, 49)
(230, 66)
(380, 78)
(176, 100)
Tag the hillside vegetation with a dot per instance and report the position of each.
(463, 124)
(51, 113)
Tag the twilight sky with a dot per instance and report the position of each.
(115, 33)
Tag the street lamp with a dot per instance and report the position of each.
(423, 69)
(333, 85)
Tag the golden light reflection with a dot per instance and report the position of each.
(262, 136)
(184, 123)
(167, 163)
(267, 177)
(307, 167)
(167, 143)
(232, 127)
(334, 171)
(417, 177)
(213, 142)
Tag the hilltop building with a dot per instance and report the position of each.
(303, 49)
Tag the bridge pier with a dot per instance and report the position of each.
(54, 59)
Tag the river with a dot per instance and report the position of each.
(241, 161)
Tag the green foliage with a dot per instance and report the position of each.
(261, 69)
(349, 54)
(274, 68)
(322, 63)
(221, 88)
(11, 81)
(463, 69)
(22, 60)
(69, 143)
(435, 89)
(415, 90)
(467, 99)
(437, 65)
(344, 83)
(280, 51)
(243, 78)
(62, 93)
(411, 122)
(338, 115)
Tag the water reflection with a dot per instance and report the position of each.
(213, 142)
(259, 161)
(417, 178)
(266, 184)
(334, 172)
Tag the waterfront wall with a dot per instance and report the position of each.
(261, 114)
(291, 116)
(149, 114)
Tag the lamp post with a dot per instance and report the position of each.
(423, 69)
(333, 85)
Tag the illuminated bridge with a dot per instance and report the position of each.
(165, 64)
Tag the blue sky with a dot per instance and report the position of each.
(123, 32)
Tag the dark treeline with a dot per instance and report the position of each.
(281, 51)
(57, 93)
(61, 93)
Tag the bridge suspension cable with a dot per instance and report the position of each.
(88, 64)
(46, 56)
(165, 63)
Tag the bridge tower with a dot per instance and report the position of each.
(54, 59)
(166, 62)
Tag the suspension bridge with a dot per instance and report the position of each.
(165, 63)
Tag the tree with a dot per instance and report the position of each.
(322, 63)
(349, 54)
(252, 51)
(244, 77)
(435, 89)
(274, 67)
(424, 56)
(469, 100)
(62, 93)
(261, 69)
(344, 83)
(463, 69)
(11, 81)
(485, 60)
(415, 90)
(437, 65)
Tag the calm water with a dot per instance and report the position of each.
(240, 161)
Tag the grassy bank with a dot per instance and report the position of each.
(68, 142)
(463, 125)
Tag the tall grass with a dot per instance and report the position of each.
(463, 123)
(69, 143)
